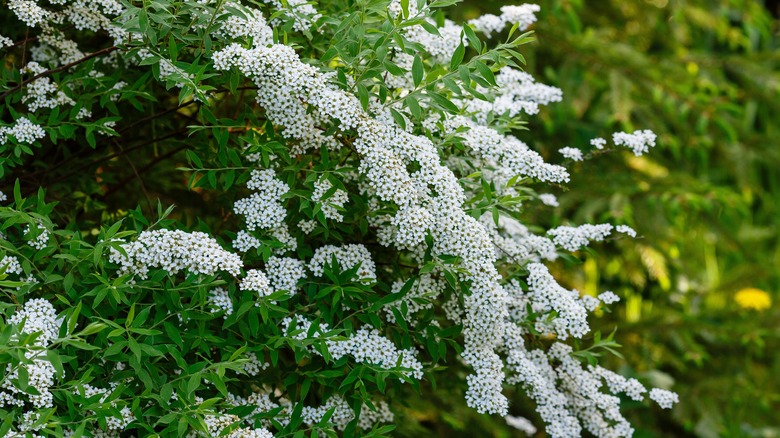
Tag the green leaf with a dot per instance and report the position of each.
(443, 102)
(474, 41)
(417, 70)
(457, 56)
(486, 73)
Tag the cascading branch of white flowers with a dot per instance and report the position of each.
(378, 194)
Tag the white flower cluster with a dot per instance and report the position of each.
(11, 264)
(256, 281)
(510, 156)
(409, 227)
(619, 384)
(307, 226)
(546, 296)
(549, 199)
(220, 301)
(348, 256)
(364, 345)
(28, 12)
(512, 240)
(518, 91)
(262, 402)
(608, 297)
(245, 241)
(254, 366)
(37, 316)
(571, 153)
(284, 272)
(574, 238)
(253, 26)
(640, 141)
(521, 423)
(369, 346)
(331, 205)
(665, 399)
(625, 229)
(522, 15)
(52, 43)
(114, 424)
(263, 209)
(598, 143)
(42, 92)
(23, 130)
(425, 290)
(173, 251)
(5, 42)
(343, 413)
(218, 422)
(169, 71)
(301, 11)
(41, 240)
(569, 396)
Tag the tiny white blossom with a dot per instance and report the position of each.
(625, 229)
(665, 399)
(573, 154)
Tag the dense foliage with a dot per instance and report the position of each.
(359, 225)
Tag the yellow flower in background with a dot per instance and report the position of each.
(752, 298)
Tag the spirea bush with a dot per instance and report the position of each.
(367, 235)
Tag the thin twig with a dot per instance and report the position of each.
(138, 176)
(148, 166)
(154, 116)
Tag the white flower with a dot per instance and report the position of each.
(625, 229)
(343, 414)
(41, 240)
(256, 280)
(307, 226)
(5, 42)
(598, 143)
(173, 251)
(330, 205)
(640, 141)
(573, 154)
(37, 316)
(245, 242)
(220, 301)
(546, 295)
(364, 345)
(665, 399)
(348, 256)
(263, 209)
(11, 265)
(521, 424)
(549, 199)
(608, 297)
(573, 238)
(284, 273)
(23, 130)
(28, 12)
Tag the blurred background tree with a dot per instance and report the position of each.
(700, 285)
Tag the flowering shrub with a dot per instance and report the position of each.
(367, 233)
